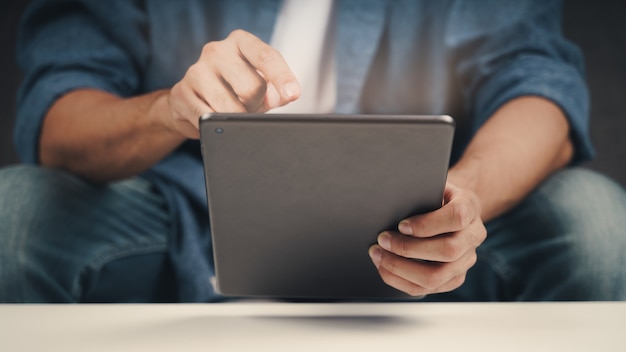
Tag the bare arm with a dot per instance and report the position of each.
(103, 138)
(520, 145)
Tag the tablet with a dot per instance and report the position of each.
(295, 201)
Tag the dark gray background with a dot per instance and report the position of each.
(599, 27)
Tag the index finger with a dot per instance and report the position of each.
(270, 63)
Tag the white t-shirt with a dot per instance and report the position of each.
(304, 35)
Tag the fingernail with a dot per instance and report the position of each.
(272, 96)
(384, 240)
(376, 254)
(405, 228)
(291, 90)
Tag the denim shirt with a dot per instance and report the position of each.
(462, 58)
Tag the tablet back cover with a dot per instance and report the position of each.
(295, 201)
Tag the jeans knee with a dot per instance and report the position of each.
(583, 199)
(30, 195)
(32, 221)
(588, 211)
(55, 229)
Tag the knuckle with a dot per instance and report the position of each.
(216, 50)
(267, 55)
(433, 281)
(252, 91)
(458, 281)
(482, 233)
(479, 235)
(210, 48)
(192, 72)
(476, 234)
(451, 248)
(237, 34)
(453, 284)
(176, 92)
(473, 259)
(461, 214)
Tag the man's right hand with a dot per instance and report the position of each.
(238, 74)
(104, 137)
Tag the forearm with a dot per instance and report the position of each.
(521, 144)
(103, 138)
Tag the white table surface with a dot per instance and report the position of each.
(263, 326)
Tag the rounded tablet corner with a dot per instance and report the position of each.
(448, 119)
(205, 116)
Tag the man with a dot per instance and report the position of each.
(110, 104)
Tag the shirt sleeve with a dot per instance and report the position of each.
(512, 48)
(66, 45)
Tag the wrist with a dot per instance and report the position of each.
(472, 174)
(466, 174)
(160, 113)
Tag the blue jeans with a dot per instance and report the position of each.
(65, 240)
(565, 241)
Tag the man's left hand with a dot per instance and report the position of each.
(432, 252)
